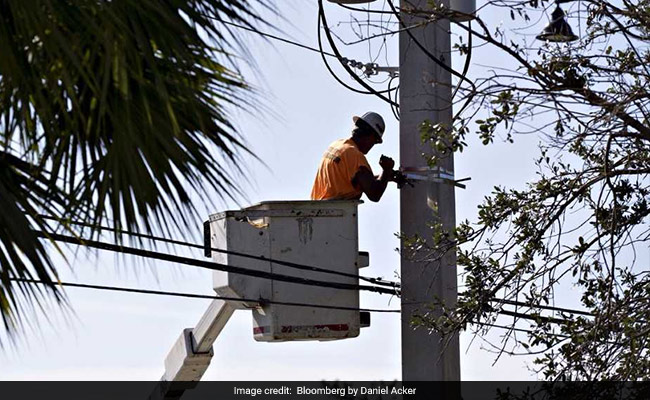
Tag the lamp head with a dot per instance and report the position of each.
(558, 30)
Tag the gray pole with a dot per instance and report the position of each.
(425, 93)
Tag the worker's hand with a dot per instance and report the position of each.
(401, 180)
(386, 163)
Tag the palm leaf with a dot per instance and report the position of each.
(120, 105)
(24, 189)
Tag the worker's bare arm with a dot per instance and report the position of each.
(373, 186)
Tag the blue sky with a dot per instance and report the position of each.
(117, 336)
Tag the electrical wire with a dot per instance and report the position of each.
(320, 50)
(211, 265)
(394, 109)
(542, 307)
(559, 335)
(427, 52)
(376, 281)
(245, 271)
(260, 301)
(468, 59)
(321, 13)
(330, 70)
(343, 62)
(512, 328)
(364, 10)
(536, 318)
(281, 39)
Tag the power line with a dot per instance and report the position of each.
(431, 56)
(543, 307)
(260, 301)
(536, 318)
(320, 50)
(365, 10)
(329, 69)
(512, 328)
(370, 89)
(393, 108)
(281, 39)
(211, 265)
(531, 332)
(344, 61)
(376, 281)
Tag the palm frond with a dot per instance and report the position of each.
(123, 103)
(24, 190)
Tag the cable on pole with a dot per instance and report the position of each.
(531, 332)
(536, 318)
(211, 265)
(427, 52)
(376, 281)
(344, 62)
(260, 301)
(234, 299)
(330, 70)
(468, 58)
(320, 50)
(278, 38)
(542, 307)
(370, 89)
(394, 109)
(512, 328)
(364, 10)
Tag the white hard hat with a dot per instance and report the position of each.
(375, 121)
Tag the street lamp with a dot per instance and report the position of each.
(558, 30)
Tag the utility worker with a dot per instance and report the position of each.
(344, 172)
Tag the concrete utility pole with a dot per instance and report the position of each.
(425, 93)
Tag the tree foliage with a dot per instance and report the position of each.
(111, 109)
(580, 228)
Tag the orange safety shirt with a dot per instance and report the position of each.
(337, 169)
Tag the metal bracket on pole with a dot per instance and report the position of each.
(371, 69)
(438, 175)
